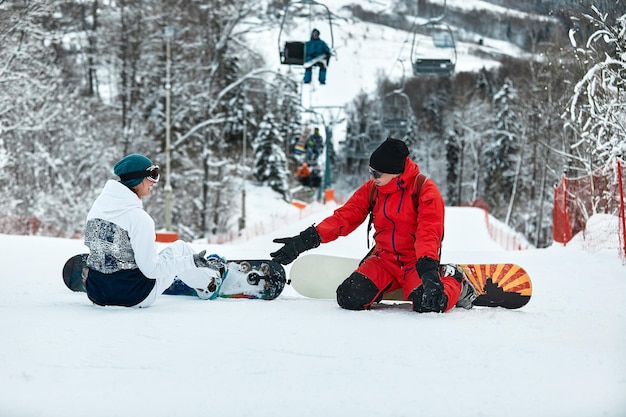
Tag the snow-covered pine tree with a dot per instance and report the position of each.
(434, 132)
(284, 93)
(471, 125)
(454, 169)
(502, 154)
(270, 165)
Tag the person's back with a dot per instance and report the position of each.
(124, 266)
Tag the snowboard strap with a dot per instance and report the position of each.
(420, 179)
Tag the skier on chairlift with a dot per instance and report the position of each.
(314, 48)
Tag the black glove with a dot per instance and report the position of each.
(200, 260)
(294, 246)
(433, 299)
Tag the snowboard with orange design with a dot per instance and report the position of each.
(498, 285)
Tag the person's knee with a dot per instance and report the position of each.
(357, 292)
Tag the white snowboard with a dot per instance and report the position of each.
(318, 276)
(309, 64)
(498, 285)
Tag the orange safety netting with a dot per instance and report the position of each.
(577, 199)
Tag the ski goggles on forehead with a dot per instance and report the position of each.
(152, 173)
(375, 174)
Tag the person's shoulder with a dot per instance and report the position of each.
(367, 188)
(141, 216)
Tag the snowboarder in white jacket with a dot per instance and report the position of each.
(125, 268)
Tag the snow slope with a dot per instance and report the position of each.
(561, 355)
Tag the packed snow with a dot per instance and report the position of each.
(560, 355)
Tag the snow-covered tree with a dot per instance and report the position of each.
(472, 127)
(364, 134)
(597, 110)
(54, 155)
(270, 159)
(502, 153)
(284, 95)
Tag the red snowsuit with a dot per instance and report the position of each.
(401, 236)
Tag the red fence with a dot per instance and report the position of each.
(502, 234)
(31, 225)
(577, 199)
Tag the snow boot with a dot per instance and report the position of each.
(468, 295)
(206, 282)
(322, 76)
(308, 74)
(468, 292)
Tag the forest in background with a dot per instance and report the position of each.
(84, 82)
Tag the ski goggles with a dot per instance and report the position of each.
(375, 174)
(152, 173)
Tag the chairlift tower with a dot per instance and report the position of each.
(328, 122)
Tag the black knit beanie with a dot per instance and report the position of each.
(390, 156)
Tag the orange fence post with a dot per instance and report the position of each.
(166, 237)
(621, 208)
(329, 195)
(561, 225)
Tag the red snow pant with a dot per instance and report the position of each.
(389, 275)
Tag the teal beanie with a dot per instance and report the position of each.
(131, 163)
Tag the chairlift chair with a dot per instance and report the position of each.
(292, 52)
(438, 63)
(396, 111)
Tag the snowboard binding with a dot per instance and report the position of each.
(264, 272)
(217, 263)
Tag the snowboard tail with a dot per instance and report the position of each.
(75, 272)
(498, 285)
(251, 279)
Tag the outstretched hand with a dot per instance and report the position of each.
(288, 253)
(294, 246)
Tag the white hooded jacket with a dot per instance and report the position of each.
(130, 242)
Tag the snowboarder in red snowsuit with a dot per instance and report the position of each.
(407, 243)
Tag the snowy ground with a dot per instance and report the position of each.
(561, 355)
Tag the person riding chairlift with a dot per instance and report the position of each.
(314, 48)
